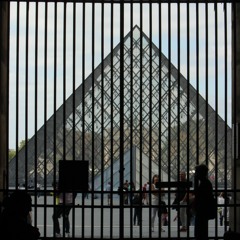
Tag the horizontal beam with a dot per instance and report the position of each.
(173, 184)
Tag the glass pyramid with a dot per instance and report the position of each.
(161, 118)
(133, 158)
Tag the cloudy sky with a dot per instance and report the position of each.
(29, 46)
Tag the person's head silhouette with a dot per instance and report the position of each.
(201, 171)
(19, 203)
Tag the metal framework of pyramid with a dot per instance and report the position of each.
(158, 103)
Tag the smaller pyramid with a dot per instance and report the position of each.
(136, 170)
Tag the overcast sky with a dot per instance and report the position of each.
(27, 72)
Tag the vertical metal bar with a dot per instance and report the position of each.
(216, 88)
(197, 98)
(132, 151)
(83, 105)
(160, 92)
(17, 95)
(235, 120)
(216, 103)
(26, 97)
(141, 91)
(64, 78)
(93, 118)
(6, 174)
(150, 105)
(64, 97)
(188, 77)
(140, 109)
(36, 105)
(45, 118)
(197, 81)
(169, 92)
(55, 110)
(112, 117)
(206, 83)
(178, 108)
(188, 89)
(131, 110)
(74, 110)
(74, 81)
(121, 215)
(141, 88)
(226, 154)
(102, 118)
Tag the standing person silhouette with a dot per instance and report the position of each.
(136, 201)
(64, 204)
(109, 195)
(15, 222)
(221, 207)
(147, 193)
(156, 198)
(180, 202)
(203, 195)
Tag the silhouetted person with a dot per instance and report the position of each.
(155, 201)
(221, 207)
(109, 195)
(15, 221)
(203, 195)
(230, 235)
(125, 194)
(136, 201)
(180, 202)
(64, 204)
(131, 189)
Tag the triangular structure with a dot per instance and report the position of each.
(132, 158)
(161, 114)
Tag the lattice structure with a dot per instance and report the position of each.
(164, 116)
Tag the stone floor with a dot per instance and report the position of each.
(102, 222)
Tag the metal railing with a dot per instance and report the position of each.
(135, 88)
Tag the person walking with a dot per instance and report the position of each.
(136, 201)
(225, 209)
(147, 193)
(125, 194)
(203, 197)
(131, 189)
(64, 204)
(180, 202)
(144, 189)
(156, 198)
(109, 189)
(220, 200)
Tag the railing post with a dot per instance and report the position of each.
(4, 55)
(235, 211)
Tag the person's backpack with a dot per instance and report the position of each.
(136, 199)
(212, 208)
(162, 209)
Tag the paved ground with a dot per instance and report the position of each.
(103, 222)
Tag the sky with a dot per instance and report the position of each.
(27, 53)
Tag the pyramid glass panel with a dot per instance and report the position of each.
(164, 117)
